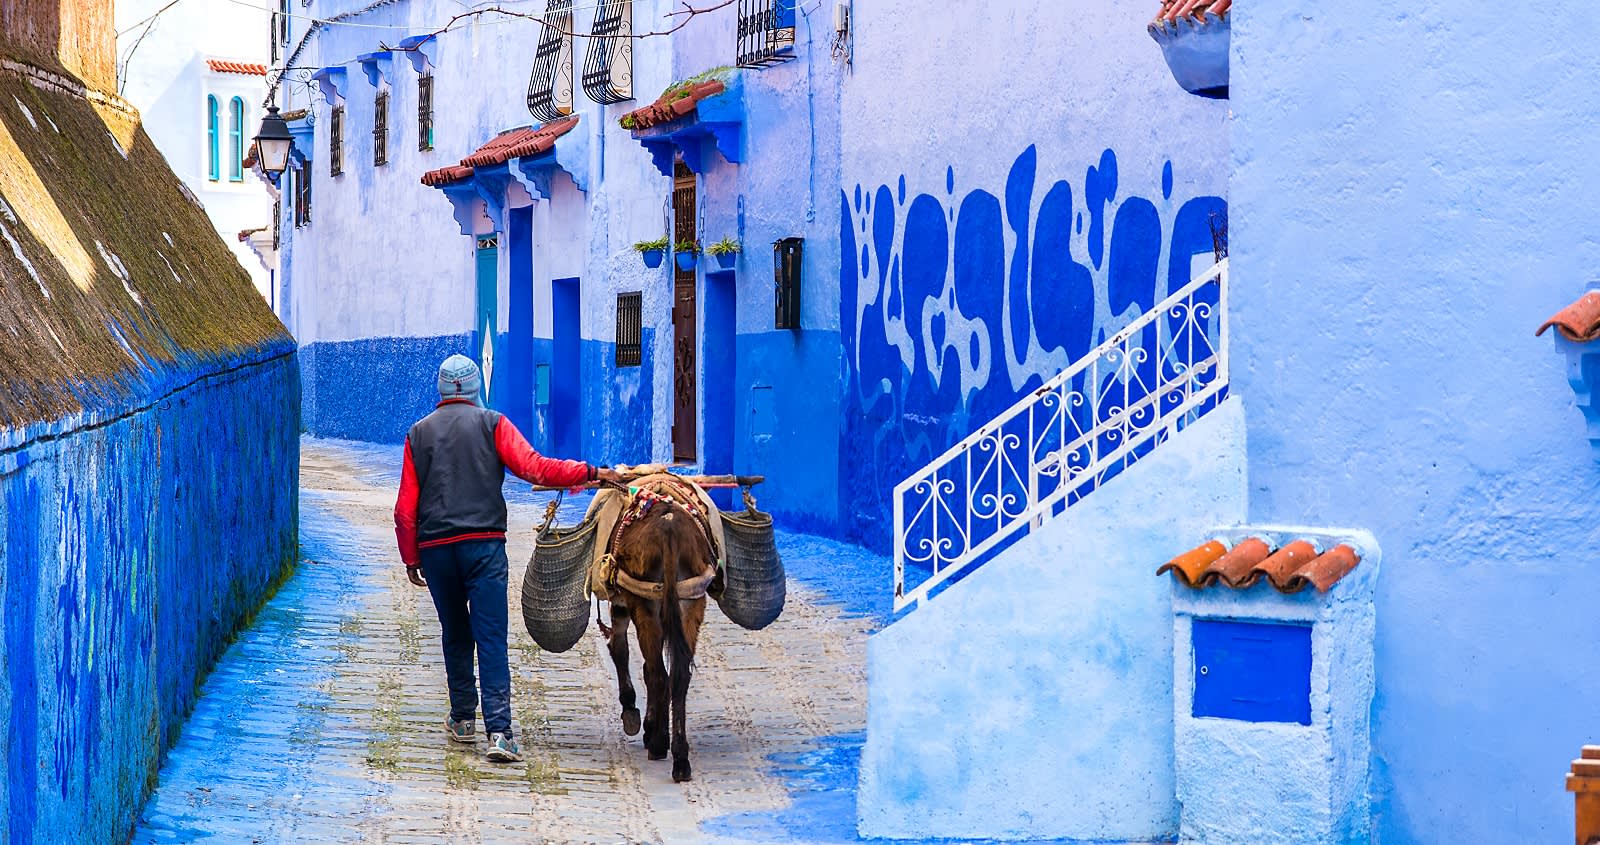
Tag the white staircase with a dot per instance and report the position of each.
(1060, 442)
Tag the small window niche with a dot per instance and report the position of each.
(787, 261)
(630, 329)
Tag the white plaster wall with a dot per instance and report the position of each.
(1033, 699)
(167, 79)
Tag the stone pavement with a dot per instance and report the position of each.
(323, 722)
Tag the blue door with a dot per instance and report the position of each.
(484, 333)
(565, 415)
(516, 369)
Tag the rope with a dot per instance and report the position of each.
(550, 513)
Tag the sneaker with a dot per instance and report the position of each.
(464, 731)
(503, 749)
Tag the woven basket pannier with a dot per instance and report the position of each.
(555, 598)
(753, 586)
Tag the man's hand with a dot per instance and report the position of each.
(607, 474)
(414, 575)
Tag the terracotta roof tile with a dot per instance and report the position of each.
(513, 143)
(1579, 322)
(1289, 569)
(246, 68)
(1173, 10)
(670, 106)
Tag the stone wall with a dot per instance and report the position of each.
(149, 417)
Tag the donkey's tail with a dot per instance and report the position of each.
(673, 561)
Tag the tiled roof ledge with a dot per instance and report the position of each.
(1258, 597)
(1577, 328)
(712, 115)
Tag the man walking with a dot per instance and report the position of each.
(450, 520)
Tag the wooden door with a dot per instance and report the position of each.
(685, 405)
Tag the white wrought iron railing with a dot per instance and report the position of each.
(1058, 443)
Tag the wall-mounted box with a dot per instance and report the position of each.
(787, 260)
(1272, 686)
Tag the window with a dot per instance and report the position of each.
(425, 112)
(336, 141)
(630, 329)
(550, 82)
(608, 62)
(302, 196)
(236, 140)
(766, 32)
(380, 129)
(213, 143)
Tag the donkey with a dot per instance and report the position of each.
(664, 565)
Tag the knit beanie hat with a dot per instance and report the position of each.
(459, 379)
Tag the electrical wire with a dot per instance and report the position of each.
(335, 21)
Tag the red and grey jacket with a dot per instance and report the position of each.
(455, 463)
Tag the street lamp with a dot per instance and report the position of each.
(273, 142)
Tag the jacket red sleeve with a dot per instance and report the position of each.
(405, 511)
(532, 467)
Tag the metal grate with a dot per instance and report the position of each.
(425, 112)
(630, 329)
(766, 32)
(302, 196)
(608, 65)
(787, 261)
(277, 223)
(380, 129)
(336, 141)
(550, 82)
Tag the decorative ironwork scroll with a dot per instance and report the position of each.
(550, 82)
(608, 65)
(766, 32)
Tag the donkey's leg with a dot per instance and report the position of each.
(691, 614)
(655, 684)
(619, 656)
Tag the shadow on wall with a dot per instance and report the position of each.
(944, 327)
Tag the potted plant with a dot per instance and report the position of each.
(685, 253)
(652, 251)
(726, 251)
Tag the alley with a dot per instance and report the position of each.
(323, 721)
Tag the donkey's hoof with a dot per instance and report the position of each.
(653, 754)
(630, 721)
(680, 771)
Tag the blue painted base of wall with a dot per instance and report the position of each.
(130, 552)
(787, 424)
(373, 389)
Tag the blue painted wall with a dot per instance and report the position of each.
(1407, 209)
(373, 389)
(132, 550)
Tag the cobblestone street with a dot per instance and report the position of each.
(323, 722)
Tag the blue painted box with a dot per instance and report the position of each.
(1252, 671)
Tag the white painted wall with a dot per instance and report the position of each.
(166, 77)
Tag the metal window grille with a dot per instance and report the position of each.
(766, 32)
(277, 223)
(550, 82)
(786, 264)
(425, 112)
(302, 197)
(630, 329)
(336, 141)
(608, 66)
(272, 37)
(380, 129)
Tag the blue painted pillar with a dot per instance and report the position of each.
(516, 371)
(565, 364)
(483, 345)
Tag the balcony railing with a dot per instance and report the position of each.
(1057, 444)
(608, 64)
(550, 83)
(766, 32)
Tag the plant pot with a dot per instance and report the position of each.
(652, 257)
(725, 259)
(686, 260)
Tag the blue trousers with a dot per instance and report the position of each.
(468, 583)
